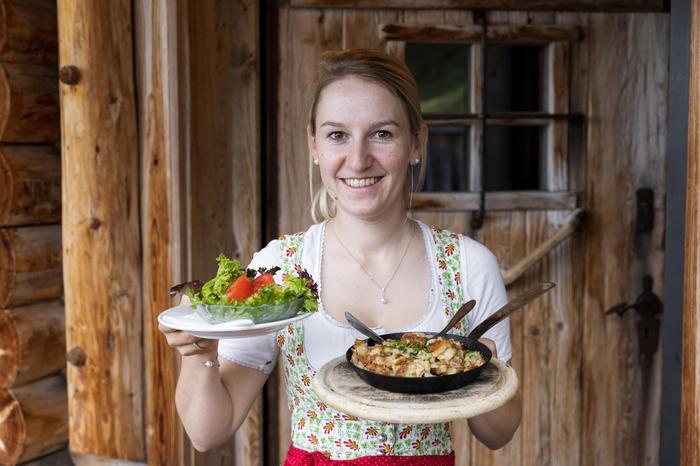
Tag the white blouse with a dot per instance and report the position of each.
(326, 338)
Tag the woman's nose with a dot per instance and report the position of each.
(359, 158)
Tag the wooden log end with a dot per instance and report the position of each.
(6, 192)
(12, 429)
(7, 278)
(9, 345)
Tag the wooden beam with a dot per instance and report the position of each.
(30, 264)
(471, 33)
(690, 377)
(30, 185)
(518, 5)
(159, 106)
(505, 200)
(32, 342)
(102, 262)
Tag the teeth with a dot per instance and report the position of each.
(361, 182)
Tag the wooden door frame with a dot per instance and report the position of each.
(690, 381)
(675, 221)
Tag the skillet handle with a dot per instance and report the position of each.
(508, 309)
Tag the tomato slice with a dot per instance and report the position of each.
(262, 281)
(240, 289)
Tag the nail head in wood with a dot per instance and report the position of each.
(77, 356)
(69, 74)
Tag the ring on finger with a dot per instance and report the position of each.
(197, 346)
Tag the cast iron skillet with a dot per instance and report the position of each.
(443, 383)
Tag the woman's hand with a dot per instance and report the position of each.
(490, 344)
(187, 344)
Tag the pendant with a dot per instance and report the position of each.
(383, 298)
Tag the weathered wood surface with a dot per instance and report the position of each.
(690, 377)
(496, 200)
(32, 342)
(518, 5)
(30, 185)
(162, 218)
(102, 260)
(567, 228)
(33, 420)
(629, 62)
(28, 103)
(224, 163)
(512, 34)
(28, 32)
(30, 264)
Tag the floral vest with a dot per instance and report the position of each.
(318, 427)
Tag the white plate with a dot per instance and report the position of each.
(184, 318)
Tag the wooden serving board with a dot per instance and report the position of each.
(340, 387)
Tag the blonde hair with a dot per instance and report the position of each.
(373, 65)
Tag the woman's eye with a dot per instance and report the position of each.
(383, 134)
(336, 136)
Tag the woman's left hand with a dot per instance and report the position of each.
(490, 344)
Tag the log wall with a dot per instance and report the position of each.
(34, 419)
(33, 399)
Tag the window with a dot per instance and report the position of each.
(523, 91)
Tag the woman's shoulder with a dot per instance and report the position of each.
(273, 250)
(468, 245)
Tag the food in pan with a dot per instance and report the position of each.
(416, 355)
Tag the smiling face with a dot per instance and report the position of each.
(363, 145)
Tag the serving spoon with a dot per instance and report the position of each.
(463, 311)
(362, 328)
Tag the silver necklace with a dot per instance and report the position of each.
(382, 289)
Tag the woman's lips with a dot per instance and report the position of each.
(361, 182)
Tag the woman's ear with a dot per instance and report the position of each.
(420, 143)
(311, 141)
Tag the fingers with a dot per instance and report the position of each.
(186, 343)
(490, 344)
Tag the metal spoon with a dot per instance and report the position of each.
(362, 328)
(463, 311)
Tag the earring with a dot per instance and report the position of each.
(315, 162)
(417, 161)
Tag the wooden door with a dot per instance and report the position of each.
(587, 398)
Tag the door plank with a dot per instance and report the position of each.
(626, 144)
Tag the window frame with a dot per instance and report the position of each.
(556, 40)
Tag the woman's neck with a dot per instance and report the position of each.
(372, 238)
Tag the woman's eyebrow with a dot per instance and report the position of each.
(331, 123)
(378, 124)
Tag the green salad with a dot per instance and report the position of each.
(236, 293)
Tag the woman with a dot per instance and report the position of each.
(396, 274)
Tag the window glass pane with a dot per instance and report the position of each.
(514, 78)
(512, 157)
(448, 159)
(442, 74)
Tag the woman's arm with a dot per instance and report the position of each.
(212, 402)
(495, 428)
